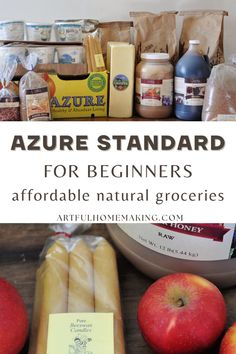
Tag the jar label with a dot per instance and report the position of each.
(189, 92)
(37, 104)
(203, 242)
(154, 92)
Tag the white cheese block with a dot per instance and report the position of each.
(122, 63)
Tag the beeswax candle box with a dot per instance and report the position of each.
(79, 96)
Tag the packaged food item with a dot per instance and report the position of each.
(45, 54)
(220, 98)
(154, 86)
(34, 93)
(155, 33)
(89, 27)
(122, 62)
(71, 54)
(13, 52)
(116, 31)
(9, 100)
(160, 249)
(191, 74)
(12, 30)
(38, 31)
(68, 31)
(76, 275)
(94, 56)
(208, 27)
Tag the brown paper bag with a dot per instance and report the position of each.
(208, 27)
(155, 33)
(114, 32)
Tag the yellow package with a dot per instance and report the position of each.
(79, 96)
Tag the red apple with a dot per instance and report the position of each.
(13, 319)
(182, 314)
(228, 344)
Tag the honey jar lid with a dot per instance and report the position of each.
(155, 56)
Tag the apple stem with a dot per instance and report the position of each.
(180, 303)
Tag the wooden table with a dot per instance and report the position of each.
(20, 246)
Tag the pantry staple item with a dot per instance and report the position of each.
(208, 27)
(116, 31)
(122, 62)
(154, 86)
(191, 74)
(155, 33)
(89, 26)
(38, 31)
(9, 100)
(76, 275)
(45, 54)
(34, 93)
(160, 249)
(12, 30)
(71, 54)
(13, 52)
(220, 97)
(68, 31)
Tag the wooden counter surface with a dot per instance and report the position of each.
(20, 246)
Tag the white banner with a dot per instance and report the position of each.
(118, 172)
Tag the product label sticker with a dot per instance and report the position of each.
(81, 333)
(9, 102)
(99, 61)
(203, 242)
(96, 82)
(189, 92)
(121, 82)
(154, 92)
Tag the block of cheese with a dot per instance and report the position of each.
(122, 63)
(109, 44)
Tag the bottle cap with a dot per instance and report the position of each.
(155, 56)
(194, 41)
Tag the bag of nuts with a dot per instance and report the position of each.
(9, 100)
(34, 93)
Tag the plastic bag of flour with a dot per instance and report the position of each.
(9, 100)
(34, 93)
(220, 96)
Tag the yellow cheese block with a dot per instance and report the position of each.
(122, 63)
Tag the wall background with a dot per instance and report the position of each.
(105, 10)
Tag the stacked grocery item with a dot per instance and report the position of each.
(92, 66)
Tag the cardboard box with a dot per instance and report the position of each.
(79, 96)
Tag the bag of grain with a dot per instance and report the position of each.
(207, 26)
(9, 99)
(220, 96)
(155, 33)
(34, 93)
